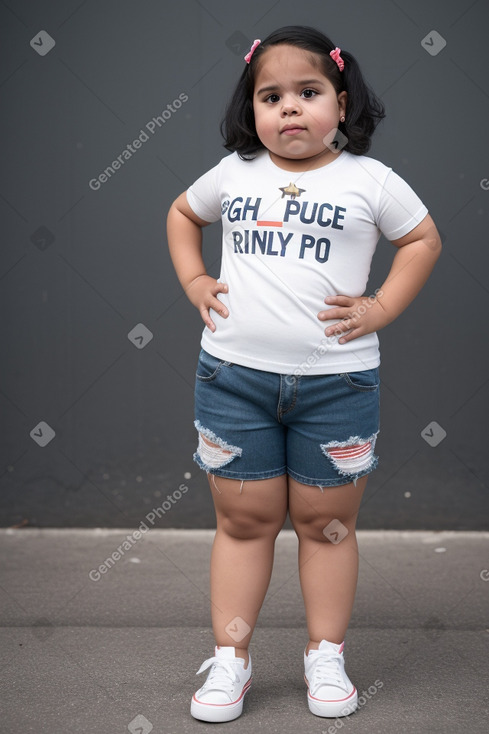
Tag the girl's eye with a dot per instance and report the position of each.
(309, 93)
(306, 94)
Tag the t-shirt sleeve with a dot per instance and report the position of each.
(400, 208)
(203, 196)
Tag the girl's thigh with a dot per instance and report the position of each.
(250, 508)
(329, 514)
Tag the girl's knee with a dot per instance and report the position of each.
(243, 527)
(325, 528)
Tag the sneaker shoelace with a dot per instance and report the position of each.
(326, 671)
(221, 673)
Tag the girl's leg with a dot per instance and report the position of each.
(328, 555)
(249, 517)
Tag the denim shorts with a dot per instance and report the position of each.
(318, 429)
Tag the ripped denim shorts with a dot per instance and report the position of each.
(318, 429)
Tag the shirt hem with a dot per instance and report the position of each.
(301, 369)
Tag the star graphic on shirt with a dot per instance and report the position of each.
(291, 190)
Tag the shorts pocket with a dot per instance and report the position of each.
(364, 381)
(208, 366)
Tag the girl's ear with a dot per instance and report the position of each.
(342, 97)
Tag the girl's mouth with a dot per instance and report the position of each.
(292, 130)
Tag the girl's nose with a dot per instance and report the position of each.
(290, 107)
(290, 110)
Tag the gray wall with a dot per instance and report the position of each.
(81, 268)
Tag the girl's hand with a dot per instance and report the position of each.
(202, 292)
(358, 316)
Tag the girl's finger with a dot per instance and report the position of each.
(221, 288)
(349, 337)
(219, 307)
(207, 319)
(339, 300)
(333, 313)
(339, 328)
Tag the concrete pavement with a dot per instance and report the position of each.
(93, 644)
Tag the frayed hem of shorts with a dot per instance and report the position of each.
(239, 476)
(340, 481)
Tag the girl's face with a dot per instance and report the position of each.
(295, 107)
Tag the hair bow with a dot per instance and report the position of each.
(335, 55)
(248, 56)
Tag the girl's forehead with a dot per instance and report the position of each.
(287, 62)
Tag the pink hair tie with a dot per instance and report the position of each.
(248, 56)
(335, 55)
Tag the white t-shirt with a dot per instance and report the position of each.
(289, 240)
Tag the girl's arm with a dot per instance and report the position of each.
(184, 230)
(417, 254)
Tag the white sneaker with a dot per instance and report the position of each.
(221, 696)
(330, 692)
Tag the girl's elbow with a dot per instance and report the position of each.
(435, 244)
(432, 240)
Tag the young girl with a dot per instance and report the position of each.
(287, 383)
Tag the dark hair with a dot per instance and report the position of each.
(364, 109)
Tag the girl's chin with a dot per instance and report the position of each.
(300, 155)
